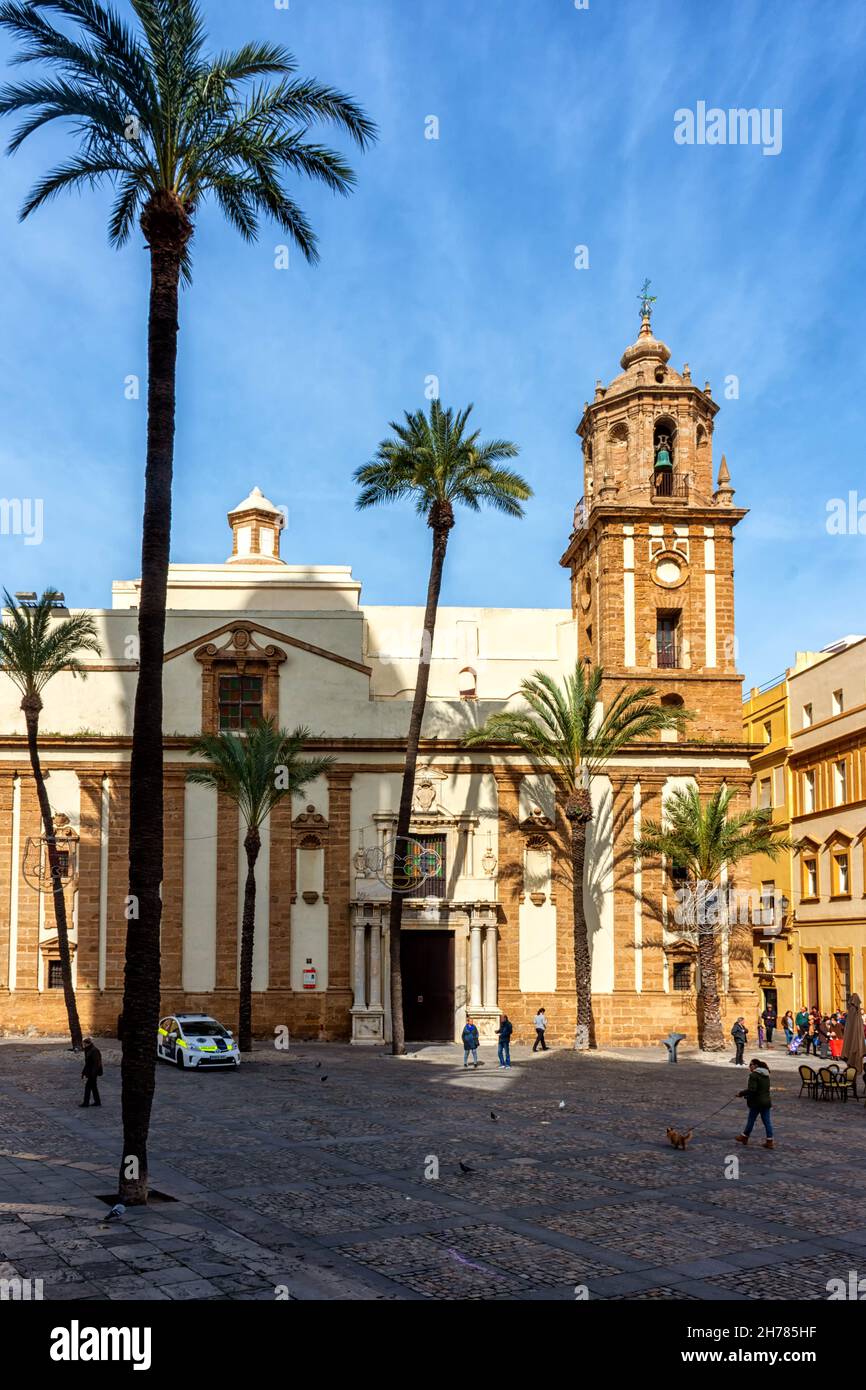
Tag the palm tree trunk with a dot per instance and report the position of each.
(441, 523)
(252, 845)
(579, 813)
(166, 229)
(31, 715)
(712, 1037)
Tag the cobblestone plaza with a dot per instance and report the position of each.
(311, 1174)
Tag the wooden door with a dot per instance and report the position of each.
(427, 961)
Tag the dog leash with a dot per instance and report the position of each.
(714, 1113)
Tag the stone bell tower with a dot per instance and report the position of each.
(651, 553)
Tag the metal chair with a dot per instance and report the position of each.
(808, 1081)
(834, 1081)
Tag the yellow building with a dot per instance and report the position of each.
(766, 725)
(808, 729)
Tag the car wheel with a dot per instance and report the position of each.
(178, 1061)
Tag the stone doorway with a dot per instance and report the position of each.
(427, 962)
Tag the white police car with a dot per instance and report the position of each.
(196, 1040)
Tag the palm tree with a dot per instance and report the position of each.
(167, 126)
(433, 462)
(255, 770)
(36, 644)
(565, 733)
(702, 839)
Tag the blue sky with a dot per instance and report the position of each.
(455, 258)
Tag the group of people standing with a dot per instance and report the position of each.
(812, 1031)
(809, 1030)
(503, 1038)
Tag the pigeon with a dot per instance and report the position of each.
(562, 1105)
(117, 1213)
(318, 1064)
(464, 1167)
(493, 1115)
(323, 1078)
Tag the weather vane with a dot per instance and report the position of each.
(647, 300)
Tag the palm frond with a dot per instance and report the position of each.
(256, 769)
(36, 643)
(430, 459)
(152, 113)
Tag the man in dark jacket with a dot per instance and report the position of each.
(757, 1094)
(90, 1071)
(740, 1035)
(504, 1036)
(769, 1017)
(470, 1043)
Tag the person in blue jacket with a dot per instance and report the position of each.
(504, 1036)
(470, 1043)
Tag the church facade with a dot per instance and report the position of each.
(489, 929)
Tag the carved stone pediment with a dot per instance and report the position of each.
(239, 649)
(310, 820)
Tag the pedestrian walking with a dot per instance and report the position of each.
(802, 1021)
(757, 1096)
(540, 1026)
(761, 1034)
(788, 1025)
(470, 1043)
(504, 1035)
(769, 1017)
(740, 1035)
(91, 1070)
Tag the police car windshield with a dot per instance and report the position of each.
(203, 1028)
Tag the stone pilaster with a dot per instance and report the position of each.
(172, 883)
(118, 877)
(337, 888)
(227, 894)
(89, 881)
(281, 890)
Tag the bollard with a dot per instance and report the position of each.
(672, 1043)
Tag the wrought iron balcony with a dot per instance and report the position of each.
(666, 485)
(667, 658)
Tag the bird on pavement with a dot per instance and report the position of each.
(464, 1167)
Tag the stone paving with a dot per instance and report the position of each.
(313, 1175)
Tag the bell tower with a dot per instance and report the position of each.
(651, 552)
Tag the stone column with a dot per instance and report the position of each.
(359, 983)
(8, 867)
(89, 882)
(375, 966)
(172, 880)
(491, 981)
(474, 965)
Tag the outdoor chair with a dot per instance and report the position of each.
(833, 1082)
(848, 1078)
(808, 1081)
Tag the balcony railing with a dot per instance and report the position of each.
(667, 658)
(667, 484)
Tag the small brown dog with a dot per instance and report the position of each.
(678, 1140)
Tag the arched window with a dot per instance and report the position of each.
(671, 701)
(664, 456)
(467, 684)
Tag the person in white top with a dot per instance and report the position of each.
(540, 1025)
